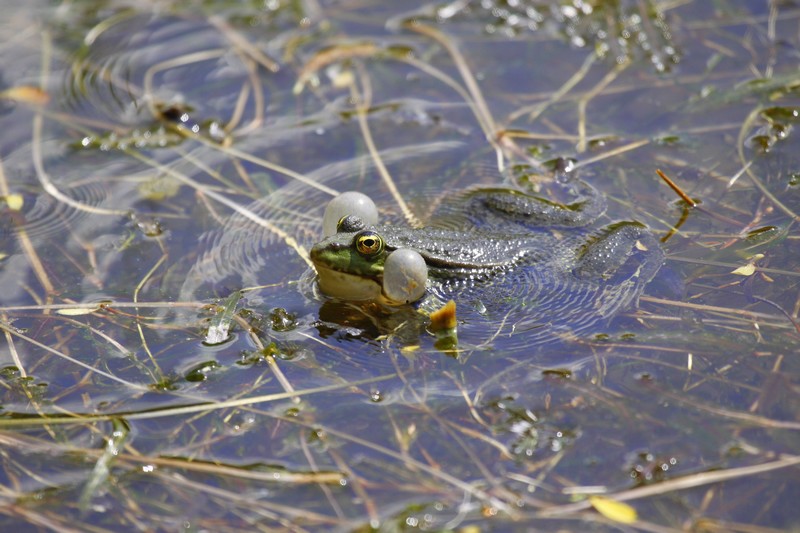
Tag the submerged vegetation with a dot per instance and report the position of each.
(169, 361)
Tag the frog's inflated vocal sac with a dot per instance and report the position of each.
(517, 246)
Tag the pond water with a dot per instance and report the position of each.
(164, 169)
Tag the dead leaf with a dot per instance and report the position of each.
(26, 94)
(444, 319)
(78, 311)
(14, 201)
(746, 270)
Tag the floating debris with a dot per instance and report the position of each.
(221, 323)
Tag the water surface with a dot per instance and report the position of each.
(159, 158)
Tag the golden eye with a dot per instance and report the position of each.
(369, 243)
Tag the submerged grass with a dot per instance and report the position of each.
(310, 415)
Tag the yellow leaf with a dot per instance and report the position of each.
(14, 201)
(78, 311)
(330, 55)
(444, 318)
(27, 94)
(746, 270)
(159, 189)
(614, 510)
(344, 79)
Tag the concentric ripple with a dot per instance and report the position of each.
(42, 215)
(244, 252)
(546, 300)
(109, 78)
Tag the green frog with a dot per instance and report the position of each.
(516, 250)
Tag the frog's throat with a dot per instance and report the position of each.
(347, 286)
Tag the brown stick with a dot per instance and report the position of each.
(672, 185)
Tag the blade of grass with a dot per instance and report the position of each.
(10, 329)
(182, 410)
(682, 483)
(362, 106)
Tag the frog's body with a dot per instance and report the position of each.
(449, 254)
(518, 249)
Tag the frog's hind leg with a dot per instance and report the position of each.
(622, 254)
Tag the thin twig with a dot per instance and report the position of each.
(362, 106)
(288, 239)
(9, 329)
(12, 348)
(674, 186)
(612, 153)
(537, 109)
(584, 100)
(682, 483)
(159, 412)
(483, 112)
(136, 291)
(26, 244)
(241, 43)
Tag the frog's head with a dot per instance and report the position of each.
(350, 262)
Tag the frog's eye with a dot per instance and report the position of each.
(350, 224)
(369, 243)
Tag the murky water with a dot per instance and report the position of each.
(159, 158)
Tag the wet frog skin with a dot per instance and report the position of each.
(517, 252)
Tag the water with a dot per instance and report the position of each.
(164, 159)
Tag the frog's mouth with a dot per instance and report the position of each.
(347, 286)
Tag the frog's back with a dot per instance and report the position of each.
(470, 254)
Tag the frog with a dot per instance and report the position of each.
(515, 250)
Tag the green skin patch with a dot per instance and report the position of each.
(346, 274)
